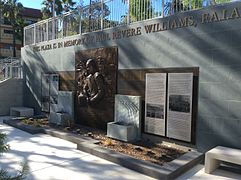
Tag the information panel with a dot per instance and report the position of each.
(45, 101)
(50, 88)
(179, 106)
(155, 99)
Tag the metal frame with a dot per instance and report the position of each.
(117, 13)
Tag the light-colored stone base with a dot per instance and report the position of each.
(21, 111)
(121, 132)
(61, 119)
(218, 154)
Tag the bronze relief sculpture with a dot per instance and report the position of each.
(96, 76)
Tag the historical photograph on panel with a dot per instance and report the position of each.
(155, 111)
(155, 99)
(179, 110)
(179, 103)
(95, 76)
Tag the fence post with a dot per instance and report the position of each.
(24, 37)
(62, 18)
(102, 15)
(34, 34)
(128, 15)
(53, 28)
(47, 31)
(80, 28)
(163, 5)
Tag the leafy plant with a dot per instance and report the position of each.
(4, 175)
(61, 6)
(3, 146)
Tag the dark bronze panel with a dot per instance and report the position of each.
(132, 81)
(66, 80)
(95, 80)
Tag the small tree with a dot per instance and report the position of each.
(4, 175)
(61, 6)
(92, 14)
(139, 10)
(11, 10)
(3, 146)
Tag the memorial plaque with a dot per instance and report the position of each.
(179, 106)
(45, 99)
(155, 99)
(50, 88)
(127, 125)
(128, 111)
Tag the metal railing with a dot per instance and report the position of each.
(10, 68)
(103, 14)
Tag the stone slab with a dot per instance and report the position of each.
(30, 129)
(21, 111)
(128, 117)
(61, 119)
(214, 156)
(169, 171)
(125, 133)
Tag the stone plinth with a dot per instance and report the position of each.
(127, 124)
(21, 111)
(121, 132)
(61, 119)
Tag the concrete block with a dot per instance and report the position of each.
(121, 132)
(218, 154)
(21, 111)
(62, 119)
(127, 125)
(65, 104)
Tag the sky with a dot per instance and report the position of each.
(35, 3)
(31, 3)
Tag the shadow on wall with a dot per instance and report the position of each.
(11, 95)
(34, 66)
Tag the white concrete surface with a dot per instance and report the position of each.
(50, 158)
(197, 173)
(214, 157)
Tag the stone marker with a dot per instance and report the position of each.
(127, 124)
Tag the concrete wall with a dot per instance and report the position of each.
(214, 47)
(11, 95)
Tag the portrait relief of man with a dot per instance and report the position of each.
(96, 72)
(93, 85)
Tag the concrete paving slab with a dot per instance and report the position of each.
(170, 170)
(197, 172)
(51, 158)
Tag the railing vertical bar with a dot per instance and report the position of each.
(34, 34)
(80, 22)
(163, 6)
(128, 15)
(47, 30)
(24, 35)
(61, 26)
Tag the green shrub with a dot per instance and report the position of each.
(4, 175)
